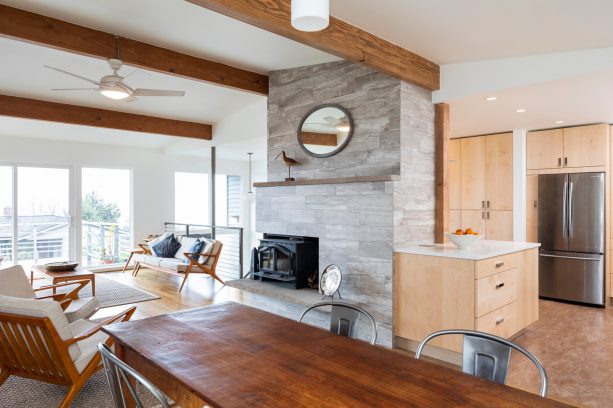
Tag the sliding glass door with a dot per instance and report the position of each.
(106, 237)
(43, 214)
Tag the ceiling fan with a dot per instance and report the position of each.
(342, 124)
(113, 86)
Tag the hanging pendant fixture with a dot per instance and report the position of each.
(310, 15)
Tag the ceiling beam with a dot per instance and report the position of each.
(35, 28)
(340, 38)
(80, 115)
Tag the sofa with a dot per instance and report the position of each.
(183, 263)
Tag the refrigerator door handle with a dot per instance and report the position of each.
(570, 209)
(564, 208)
(578, 258)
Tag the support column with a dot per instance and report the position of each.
(441, 135)
(213, 200)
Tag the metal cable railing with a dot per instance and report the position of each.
(231, 260)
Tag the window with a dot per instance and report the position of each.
(192, 198)
(105, 216)
(6, 213)
(229, 200)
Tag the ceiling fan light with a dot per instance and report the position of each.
(310, 15)
(115, 93)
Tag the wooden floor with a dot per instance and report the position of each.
(573, 342)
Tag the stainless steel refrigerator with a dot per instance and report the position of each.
(571, 230)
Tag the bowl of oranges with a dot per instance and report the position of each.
(464, 239)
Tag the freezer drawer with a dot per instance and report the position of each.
(573, 276)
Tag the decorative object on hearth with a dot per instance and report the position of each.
(330, 281)
(325, 130)
(289, 162)
(249, 195)
(310, 15)
(61, 266)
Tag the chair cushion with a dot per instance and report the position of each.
(81, 308)
(14, 282)
(167, 248)
(175, 264)
(207, 250)
(41, 308)
(156, 240)
(214, 251)
(148, 259)
(186, 243)
(89, 346)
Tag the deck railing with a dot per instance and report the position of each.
(231, 260)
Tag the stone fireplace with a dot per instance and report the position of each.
(376, 194)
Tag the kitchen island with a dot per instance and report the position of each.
(492, 287)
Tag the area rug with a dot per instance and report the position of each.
(19, 392)
(305, 297)
(111, 293)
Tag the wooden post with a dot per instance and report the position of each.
(441, 135)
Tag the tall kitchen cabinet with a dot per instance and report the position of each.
(481, 186)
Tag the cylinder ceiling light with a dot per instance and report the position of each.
(310, 15)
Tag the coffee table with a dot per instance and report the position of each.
(57, 277)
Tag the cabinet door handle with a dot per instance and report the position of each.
(559, 162)
(483, 204)
(499, 285)
(488, 215)
(499, 320)
(566, 161)
(499, 264)
(483, 215)
(488, 204)
(535, 204)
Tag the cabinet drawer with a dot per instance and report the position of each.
(494, 265)
(495, 291)
(501, 322)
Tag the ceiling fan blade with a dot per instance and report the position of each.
(74, 89)
(71, 74)
(156, 92)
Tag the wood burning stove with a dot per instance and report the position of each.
(286, 260)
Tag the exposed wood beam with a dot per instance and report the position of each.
(441, 171)
(340, 38)
(320, 139)
(35, 28)
(80, 115)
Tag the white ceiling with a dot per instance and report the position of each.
(185, 27)
(451, 31)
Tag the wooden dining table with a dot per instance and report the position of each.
(231, 355)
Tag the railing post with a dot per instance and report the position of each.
(240, 252)
(187, 230)
(101, 241)
(89, 243)
(116, 243)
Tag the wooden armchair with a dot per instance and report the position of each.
(37, 342)
(14, 282)
(207, 267)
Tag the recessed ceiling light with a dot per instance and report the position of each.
(490, 98)
(520, 110)
(559, 122)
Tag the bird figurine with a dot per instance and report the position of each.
(289, 162)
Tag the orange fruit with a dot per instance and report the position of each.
(469, 231)
(459, 232)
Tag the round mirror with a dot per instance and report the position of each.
(325, 130)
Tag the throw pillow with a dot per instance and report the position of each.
(206, 251)
(167, 248)
(156, 240)
(196, 248)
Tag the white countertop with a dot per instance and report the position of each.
(481, 250)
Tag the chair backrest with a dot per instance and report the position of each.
(119, 375)
(487, 356)
(14, 282)
(344, 319)
(32, 340)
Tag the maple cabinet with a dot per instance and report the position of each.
(575, 147)
(481, 185)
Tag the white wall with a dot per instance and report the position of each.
(152, 173)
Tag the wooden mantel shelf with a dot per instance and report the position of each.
(338, 180)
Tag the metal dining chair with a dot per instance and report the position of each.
(344, 319)
(487, 356)
(119, 375)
